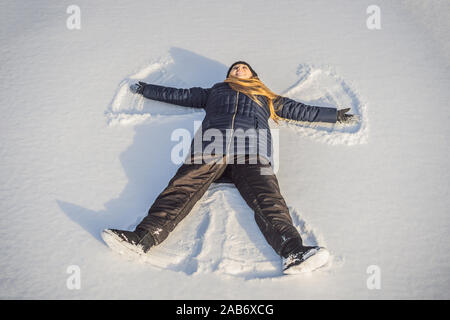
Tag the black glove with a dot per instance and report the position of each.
(137, 87)
(343, 117)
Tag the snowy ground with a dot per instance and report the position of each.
(79, 153)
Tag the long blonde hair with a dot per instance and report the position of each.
(253, 87)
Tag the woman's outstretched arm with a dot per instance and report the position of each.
(294, 110)
(195, 97)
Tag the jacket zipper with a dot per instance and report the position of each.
(232, 122)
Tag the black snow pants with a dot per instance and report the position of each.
(260, 191)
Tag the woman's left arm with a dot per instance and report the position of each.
(294, 110)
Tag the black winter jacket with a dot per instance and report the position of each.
(233, 120)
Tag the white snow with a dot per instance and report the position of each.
(80, 153)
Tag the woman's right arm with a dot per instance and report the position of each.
(195, 97)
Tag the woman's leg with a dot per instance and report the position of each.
(262, 194)
(173, 204)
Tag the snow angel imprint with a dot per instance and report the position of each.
(241, 103)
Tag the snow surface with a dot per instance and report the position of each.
(80, 153)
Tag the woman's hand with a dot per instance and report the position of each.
(137, 87)
(343, 117)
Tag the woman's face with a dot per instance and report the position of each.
(241, 71)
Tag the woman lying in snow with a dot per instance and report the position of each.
(242, 103)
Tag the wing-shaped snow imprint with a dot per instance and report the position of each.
(128, 108)
(322, 87)
(221, 236)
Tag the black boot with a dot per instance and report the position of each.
(306, 259)
(139, 241)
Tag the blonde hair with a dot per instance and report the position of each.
(253, 87)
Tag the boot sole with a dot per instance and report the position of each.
(313, 262)
(120, 246)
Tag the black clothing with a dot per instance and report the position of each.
(229, 110)
(260, 191)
